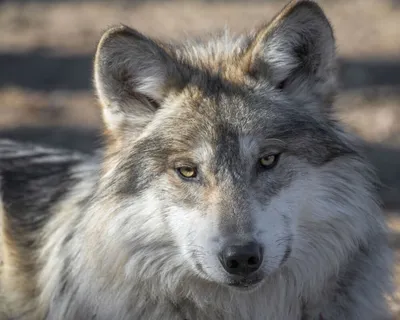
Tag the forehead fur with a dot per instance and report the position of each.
(218, 55)
(225, 122)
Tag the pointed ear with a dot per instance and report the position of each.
(133, 76)
(296, 52)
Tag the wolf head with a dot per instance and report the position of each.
(229, 149)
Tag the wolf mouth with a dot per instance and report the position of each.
(246, 284)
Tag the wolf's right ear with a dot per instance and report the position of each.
(133, 75)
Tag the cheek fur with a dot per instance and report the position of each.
(274, 233)
(195, 234)
(276, 222)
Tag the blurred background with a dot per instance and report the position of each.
(47, 47)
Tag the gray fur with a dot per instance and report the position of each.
(131, 239)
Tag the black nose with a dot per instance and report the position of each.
(241, 259)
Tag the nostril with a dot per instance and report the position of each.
(253, 261)
(232, 264)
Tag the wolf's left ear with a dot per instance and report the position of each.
(296, 52)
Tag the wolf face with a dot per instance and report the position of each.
(230, 145)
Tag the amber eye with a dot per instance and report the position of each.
(270, 161)
(187, 172)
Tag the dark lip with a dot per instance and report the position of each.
(245, 284)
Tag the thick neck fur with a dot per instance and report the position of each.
(107, 270)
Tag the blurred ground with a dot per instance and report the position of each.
(46, 50)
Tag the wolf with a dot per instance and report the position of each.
(225, 188)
